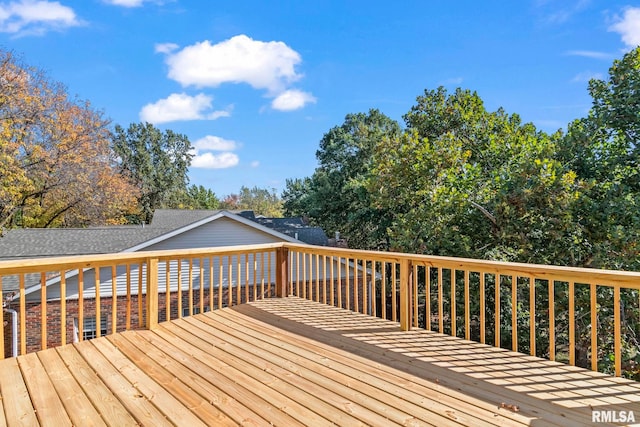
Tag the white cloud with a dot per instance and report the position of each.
(180, 106)
(585, 76)
(215, 161)
(558, 12)
(263, 65)
(165, 47)
(255, 164)
(36, 17)
(589, 54)
(292, 100)
(215, 143)
(128, 3)
(628, 27)
(453, 81)
(208, 160)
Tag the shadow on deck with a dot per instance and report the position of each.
(291, 361)
(544, 392)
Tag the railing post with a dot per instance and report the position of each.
(152, 293)
(282, 272)
(406, 276)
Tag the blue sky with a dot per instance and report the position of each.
(256, 84)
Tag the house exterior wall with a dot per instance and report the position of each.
(261, 267)
(217, 233)
(310, 289)
(220, 232)
(137, 281)
(53, 313)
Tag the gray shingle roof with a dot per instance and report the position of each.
(296, 228)
(43, 242)
(47, 242)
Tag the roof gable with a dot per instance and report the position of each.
(166, 223)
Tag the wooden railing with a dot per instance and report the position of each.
(573, 315)
(55, 297)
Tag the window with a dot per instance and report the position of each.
(89, 330)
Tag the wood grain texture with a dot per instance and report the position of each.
(293, 362)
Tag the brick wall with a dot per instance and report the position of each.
(34, 316)
(54, 327)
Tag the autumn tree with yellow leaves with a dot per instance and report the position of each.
(56, 164)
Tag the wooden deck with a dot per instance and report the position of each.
(294, 362)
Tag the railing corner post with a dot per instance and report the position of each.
(282, 272)
(406, 276)
(152, 293)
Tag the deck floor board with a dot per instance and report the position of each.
(428, 401)
(76, 403)
(46, 402)
(262, 400)
(16, 401)
(352, 379)
(290, 362)
(101, 397)
(342, 404)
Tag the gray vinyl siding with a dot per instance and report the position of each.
(248, 269)
(135, 285)
(217, 233)
(220, 232)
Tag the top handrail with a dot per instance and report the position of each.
(28, 265)
(630, 279)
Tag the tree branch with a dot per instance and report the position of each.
(485, 213)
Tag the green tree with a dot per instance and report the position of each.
(156, 161)
(463, 181)
(603, 150)
(261, 201)
(335, 196)
(198, 197)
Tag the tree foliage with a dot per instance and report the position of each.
(198, 197)
(603, 150)
(56, 166)
(157, 162)
(463, 181)
(335, 196)
(261, 201)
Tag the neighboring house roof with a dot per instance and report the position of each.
(44, 242)
(166, 223)
(296, 228)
